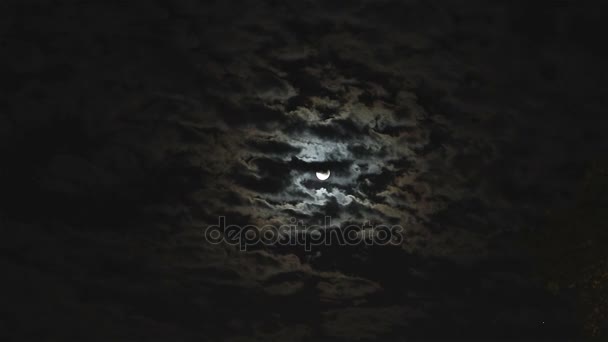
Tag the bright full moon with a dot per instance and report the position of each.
(323, 175)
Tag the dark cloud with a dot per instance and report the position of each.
(273, 147)
(125, 130)
(336, 166)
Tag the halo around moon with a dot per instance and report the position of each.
(323, 175)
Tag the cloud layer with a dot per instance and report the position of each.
(126, 130)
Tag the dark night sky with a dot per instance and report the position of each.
(126, 128)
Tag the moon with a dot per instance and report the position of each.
(323, 175)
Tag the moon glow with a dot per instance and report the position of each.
(323, 175)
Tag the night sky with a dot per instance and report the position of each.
(129, 127)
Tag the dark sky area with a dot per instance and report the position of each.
(128, 127)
